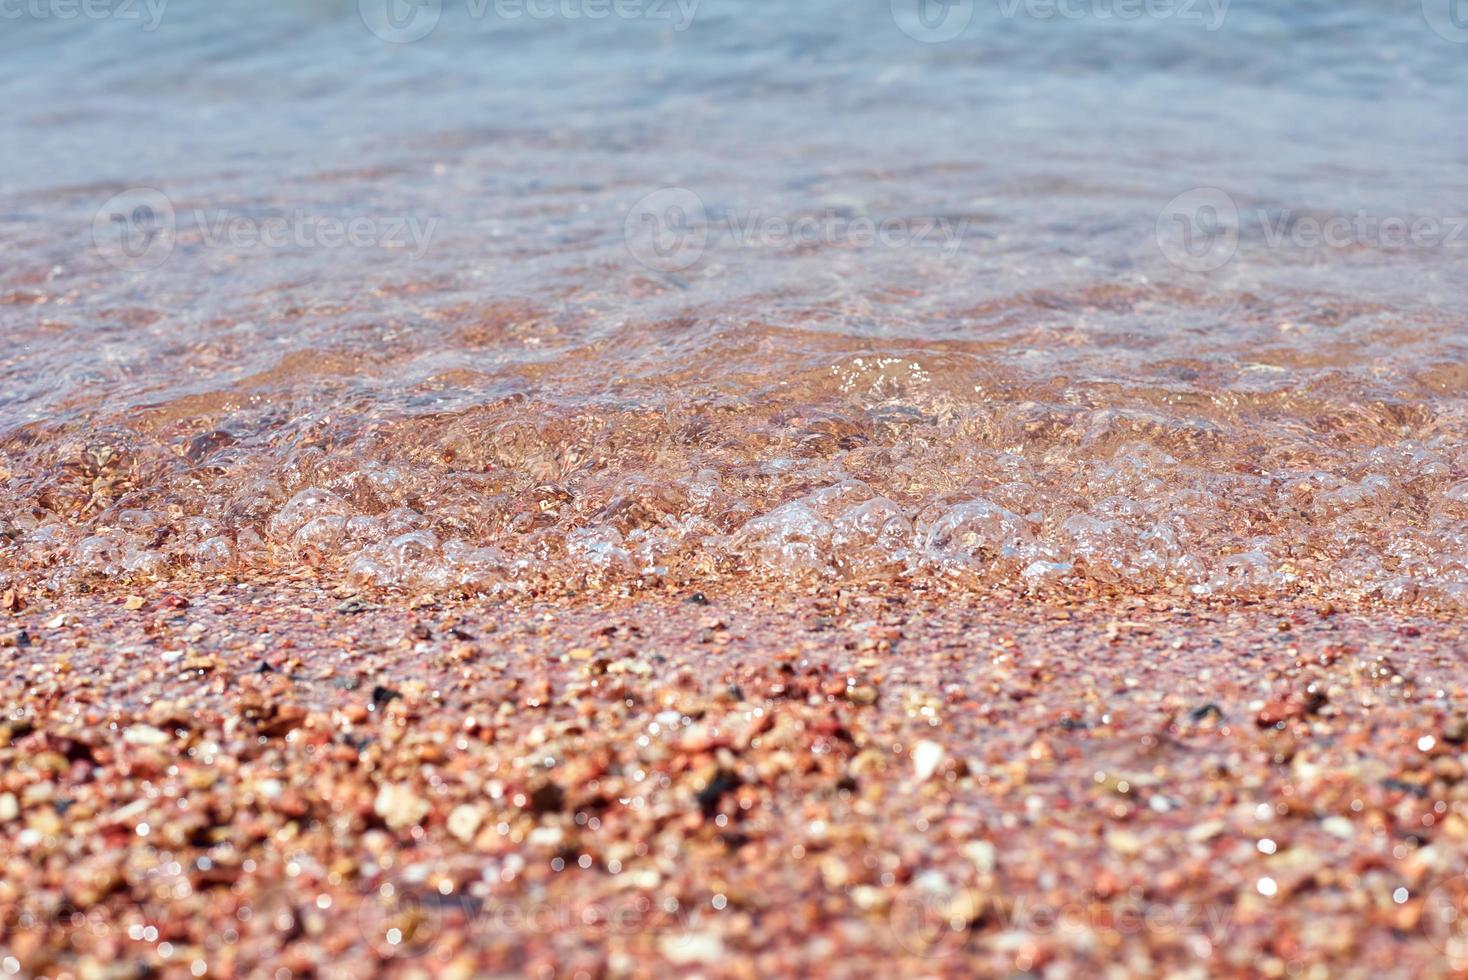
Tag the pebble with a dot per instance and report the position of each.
(1206, 831)
(399, 806)
(144, 735)
(982, 853)
(689, 949)
(927, 756)
(464, 821)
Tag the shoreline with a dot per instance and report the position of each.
(231, 781)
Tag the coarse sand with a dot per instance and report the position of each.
(273, 778)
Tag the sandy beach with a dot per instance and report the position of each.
(255, 776)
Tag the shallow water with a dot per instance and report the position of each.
(1161, 302)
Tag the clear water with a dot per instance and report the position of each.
(774, 291)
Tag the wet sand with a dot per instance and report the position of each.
(265, 775)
